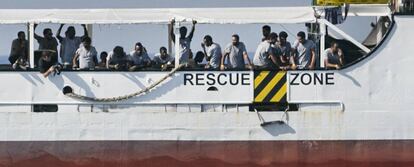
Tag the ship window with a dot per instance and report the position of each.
(380, 27)
(9, 34)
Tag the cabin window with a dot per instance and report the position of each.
(9, 34)
(153, 37)
(374, 32)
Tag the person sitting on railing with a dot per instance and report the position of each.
(212, 51)
(46, 65)
(285, 49)
(184, 41)
(333, 57)
(86, 54)
(19, 52)
(266, 30)
(47, 42)
(236, 55)
(139, 57)
(303, 53)
(70, 43)
(118, 59)
(265, 56)
(163, 59)
(103, 57)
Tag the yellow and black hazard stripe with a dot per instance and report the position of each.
(270, 87)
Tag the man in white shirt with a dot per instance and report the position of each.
(117, 59)
(86, 55)
(333, 57)
(236, 55)
(163, 57)
(304, 53)
(185, 41)
(70, 43)
(212, 51)
(139, 57)
(265, 57)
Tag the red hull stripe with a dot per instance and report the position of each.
(383, 153)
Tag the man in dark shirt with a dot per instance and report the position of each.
(19, 51)
(46, 65)
(47, 42)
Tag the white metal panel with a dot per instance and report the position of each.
(205, 126)
(32, 87)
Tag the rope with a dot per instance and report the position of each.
(125, 97)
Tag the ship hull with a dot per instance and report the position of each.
(363, 153)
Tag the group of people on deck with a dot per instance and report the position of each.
(76, 52)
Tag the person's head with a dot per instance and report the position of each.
(71, 32)
(334, 46)
(301, 36)
(118, 51)
(163, 52)
(86, 41)
(282, 37)
(103, 56)
(266, 30)
(183, 32)
(21, 35)
(46, 56)
(139, 48)
(47, 33)
(235, 39)
(199, 57)
(208, 40)
(272, 38)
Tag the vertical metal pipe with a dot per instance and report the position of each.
(169, 39)
(30, 27)
(322, 28)
(177, 43)
(89, 27)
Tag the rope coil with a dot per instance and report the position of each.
(125, 97)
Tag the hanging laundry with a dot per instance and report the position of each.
(334, 15)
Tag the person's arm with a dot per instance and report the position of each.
(48, 72)
(190, 36)
(109, 65)
(312, 63)
(206, 55)
(58, 33)
(74, 60)
(172, 30)
(330, 65)
(293, 55)
(114, 66)
(85, 31)
(147, 60)
(37, 37)
(247, 59)
(108, 60)
(273, 57)
(223, 59)
(95, 56)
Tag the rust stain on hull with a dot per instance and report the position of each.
(384, 153)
